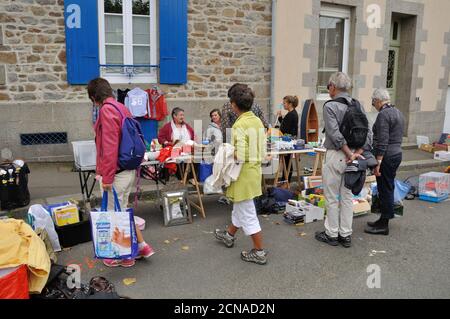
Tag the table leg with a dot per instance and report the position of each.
(297, 158)
(197, 187)
(280, 168)
(286, 172)
(317, 162)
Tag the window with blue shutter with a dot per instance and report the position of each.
(173, 41)
(82, 48)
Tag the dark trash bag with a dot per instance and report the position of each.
(56, 287)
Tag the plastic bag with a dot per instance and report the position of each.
(208, 186)
(401, 189)
(39, 217)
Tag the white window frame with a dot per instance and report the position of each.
(341, 13)
(127, 9)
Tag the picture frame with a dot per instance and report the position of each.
(176, 208)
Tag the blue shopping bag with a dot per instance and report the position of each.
(114, 232)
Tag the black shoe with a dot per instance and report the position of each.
(323, 237)
(377, 230)
(345, 241)
(374, 224)
(381, 222)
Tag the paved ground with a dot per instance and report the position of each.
(415, 265)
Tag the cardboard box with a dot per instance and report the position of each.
(311, 213)
(66, 215)
(427, 148)
(442, 156)
(441, 147)
(361, 207)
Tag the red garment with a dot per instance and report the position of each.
(157, 106)
(165, 133)
(108, 129)
(164, 154)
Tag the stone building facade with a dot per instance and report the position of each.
(228, 41)
(276, 46)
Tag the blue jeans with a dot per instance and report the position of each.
(386, 184)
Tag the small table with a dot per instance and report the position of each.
(284, 168)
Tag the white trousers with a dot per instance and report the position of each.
(338, 198)
(244, 216)
(123, 184)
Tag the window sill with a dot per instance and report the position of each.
(137, 79)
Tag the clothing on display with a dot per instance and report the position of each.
(137, 102)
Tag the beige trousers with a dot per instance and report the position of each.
(123, 184)
(338, 198)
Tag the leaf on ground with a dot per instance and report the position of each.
(277, 223)
(302, 234)
(265, 216)
(175, 239)
(185, 247)
(167, 242)
(300, 224)
(129, 281)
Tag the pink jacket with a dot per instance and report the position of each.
(107, 139)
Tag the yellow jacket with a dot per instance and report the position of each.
(19, 245)
(249, 140)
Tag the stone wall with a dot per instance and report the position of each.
(229, 41)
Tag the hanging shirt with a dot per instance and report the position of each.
(157, 106)
(121, 95)
(136, 101)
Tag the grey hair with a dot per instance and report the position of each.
(341, 81)
(381, 95)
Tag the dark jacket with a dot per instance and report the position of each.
(388, 131)
(355, 173)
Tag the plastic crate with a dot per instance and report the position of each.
(74, 234)
(434, 184)
(84, 153)
(433, 199)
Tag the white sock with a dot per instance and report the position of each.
(141, 245)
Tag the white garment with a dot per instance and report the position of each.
(338, 198)
(136, 101)
(225, 169)
(182, 134)
(244, 216)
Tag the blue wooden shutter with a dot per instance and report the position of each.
(82, 52)
(173, 41)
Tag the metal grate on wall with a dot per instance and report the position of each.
(43, 138)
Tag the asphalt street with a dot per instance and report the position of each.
(414, 260)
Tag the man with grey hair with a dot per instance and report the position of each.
(339, 115)
(387, 137)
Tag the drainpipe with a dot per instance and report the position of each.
(272, 66)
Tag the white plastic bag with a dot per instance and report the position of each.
(40, 218)
(208, 186)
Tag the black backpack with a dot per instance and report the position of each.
(14, 191)
(354, 126)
